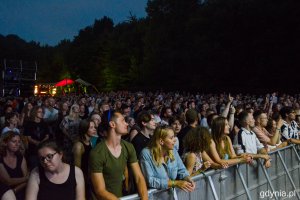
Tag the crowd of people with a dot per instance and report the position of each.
(109, 145)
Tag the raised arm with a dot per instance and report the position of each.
(226, 110)
(231, 117)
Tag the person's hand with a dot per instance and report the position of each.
(267, 163)
(206, 165)
(267, 100)
(232, 109)
(266, 157)
(247, 158)
(230, 98)
(279, 123)
(224, 165)
(189, 179)
(185, 185)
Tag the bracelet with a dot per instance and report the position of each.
(232, 113)
(278, 129)
(173, 183)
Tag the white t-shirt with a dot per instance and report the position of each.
(249, 142)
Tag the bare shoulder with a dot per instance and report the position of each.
(35, 172)
(191, 155)
(34, 175)
(78, 171)
(78, 146)
(228, 138)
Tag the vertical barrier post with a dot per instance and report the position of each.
(212, 186)
(288, 174)
(243, 182)
(268, 178)
(294, 148)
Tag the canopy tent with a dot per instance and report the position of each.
(86, 84)
(77, 86)
(79, 80)
(64, 82)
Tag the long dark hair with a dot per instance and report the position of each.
(197, 139)
(34, 111)
(217, 131)
(84, 126)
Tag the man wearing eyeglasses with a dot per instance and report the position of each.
(109, 159)
(290, 129)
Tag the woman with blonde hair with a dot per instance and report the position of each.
(161, 164)
(70, 129)
(70, 124)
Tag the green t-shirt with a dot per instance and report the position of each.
(112, 168)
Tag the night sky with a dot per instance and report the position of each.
(50, 21)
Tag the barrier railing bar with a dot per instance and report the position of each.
(281, 149)
(210, 173)
(288, 174)
(294, 148)
(212, 186)
(268, 177)
(243, 182)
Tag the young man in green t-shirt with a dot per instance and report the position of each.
(109, 159)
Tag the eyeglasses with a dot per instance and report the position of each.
(48, 157)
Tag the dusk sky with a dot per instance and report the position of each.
(49, 21)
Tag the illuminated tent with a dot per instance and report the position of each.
(77, 86)
(86, 84)
(79, 80)
(64, 82)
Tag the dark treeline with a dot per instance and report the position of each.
(219, 45)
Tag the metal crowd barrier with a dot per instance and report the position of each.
(243, 181)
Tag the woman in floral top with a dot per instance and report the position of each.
(195, 158)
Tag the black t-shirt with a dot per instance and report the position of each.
(63, 191)
(36, 131)
(14, 172)
(139, 142)
(3, 189)
(181, 136)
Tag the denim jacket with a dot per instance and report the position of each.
(158, 176)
